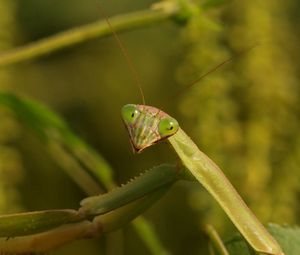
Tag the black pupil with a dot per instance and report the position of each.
(132, 115)
(171, 128)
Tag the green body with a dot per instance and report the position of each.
(144, 125)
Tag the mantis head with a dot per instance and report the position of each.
(147, 125)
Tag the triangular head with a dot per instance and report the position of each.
(147, 125)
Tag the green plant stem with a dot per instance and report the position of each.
(147, 233)
(216, 240)
(84, 33)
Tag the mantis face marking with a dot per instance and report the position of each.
(147, 125)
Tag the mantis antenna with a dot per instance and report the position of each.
(136, 75)
(218, 66)
(126, 55)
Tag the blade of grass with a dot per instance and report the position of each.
(216, 240)
(61, 141)
(146, 231)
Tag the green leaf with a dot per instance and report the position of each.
(35, 115)
(287, 237)
(61, 141)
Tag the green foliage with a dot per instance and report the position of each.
(60, 139)
(45, 123)
(288, 238)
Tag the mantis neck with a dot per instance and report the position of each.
(214, 180)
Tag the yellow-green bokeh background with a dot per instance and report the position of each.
(245, 116)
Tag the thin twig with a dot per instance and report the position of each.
(83, 33)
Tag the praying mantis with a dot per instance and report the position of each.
(161, 126)
(147, 125)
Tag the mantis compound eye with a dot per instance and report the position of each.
(167, 127)
(130, 113)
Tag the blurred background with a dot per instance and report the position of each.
(244, 116)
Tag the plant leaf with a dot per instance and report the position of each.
(287, 237)
(61, 141)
